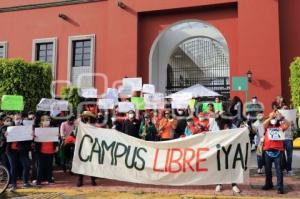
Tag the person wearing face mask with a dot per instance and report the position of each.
(89, 118)
(166, 126)
(258, 127)
(191, 128)
(273, 148)
(147, 129)
(202, 122)
(18, 156)
(45, 152)
(131, 125)
(181, 115)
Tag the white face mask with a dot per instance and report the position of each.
(273, 121)
(113, 119)
(130, 116)
(254, 100)
(46, 123)
(180, 112)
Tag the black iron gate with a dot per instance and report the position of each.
(199, 61)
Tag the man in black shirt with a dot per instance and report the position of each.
(131, 125)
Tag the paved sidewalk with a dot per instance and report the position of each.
(65, 187)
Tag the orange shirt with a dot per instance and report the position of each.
(47, 148)
(167, 126)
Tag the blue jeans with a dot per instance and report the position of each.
(268, 170)
(13, 157)
(288, 146)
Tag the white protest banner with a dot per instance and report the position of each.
(88, 92)
(28, 122)
(202, 159)
(46, 134)
(19, 133)
(149, 88)
(112, 93)
(290, 115)
(124, 107)
(106, 103)
(134, 83)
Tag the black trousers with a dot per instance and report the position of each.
(44, 167)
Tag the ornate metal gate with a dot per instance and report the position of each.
(199, 60)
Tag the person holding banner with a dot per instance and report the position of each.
(45, 152)
(131, 125)
(147, 129)
(191, 128)
(18, 152)
(224, 121)
(273, 147)
(167, 125)
(89, 118)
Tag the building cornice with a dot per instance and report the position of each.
(46, 5)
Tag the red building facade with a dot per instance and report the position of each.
(114, 38)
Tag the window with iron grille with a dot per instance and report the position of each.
(44, 52)
(199, 61)
(81, 53)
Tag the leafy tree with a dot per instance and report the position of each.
(295, 82)
(31, 80)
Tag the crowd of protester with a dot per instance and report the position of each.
(33, 162)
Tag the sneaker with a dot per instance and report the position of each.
(218, 188)
(259, 171)
(13, 189)
(36, 183)
(26, 185)
(236, 189)
(290, 173)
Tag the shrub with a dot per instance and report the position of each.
(295, 82)
(31, 80)
(71, 94)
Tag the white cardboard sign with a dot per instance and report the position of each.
(124, 107)
(149, 88)
(89, 92)
(19, 133)
(46, 134)
(134, 83)
(106, 103)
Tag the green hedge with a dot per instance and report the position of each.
(31, 80)
(295, 82)
(71, 94)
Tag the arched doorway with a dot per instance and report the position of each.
(187, 53)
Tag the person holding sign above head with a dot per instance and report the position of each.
(273, 147)
(167, 125)
(45, 152)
